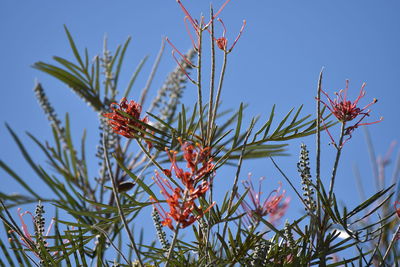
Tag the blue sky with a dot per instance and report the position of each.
(277, 61)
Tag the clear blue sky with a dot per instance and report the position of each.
(277, 61)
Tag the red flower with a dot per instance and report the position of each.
(182, 207)
(181, 201)
(198, 161)
(222, 42)
(124, 118)
(271, 206)
(345, 110)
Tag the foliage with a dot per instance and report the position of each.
(186, 145)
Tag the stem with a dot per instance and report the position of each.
(117, 200)
(323, 226)
(394, 239)
(171, 248)
(200, 97)
(212, 79)
(210, 126)
(111, 242)
(335, 165)
(235, 187)
(318, 161)
(172, 244)
(221, 80)
(318, 139)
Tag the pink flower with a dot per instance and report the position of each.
(274, 205)
(29, 240)
(222, 42)
(345, 110)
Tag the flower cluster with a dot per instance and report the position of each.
(345, 110)
(125, 118)
(181, 200)
(274, 205)
(198, 27)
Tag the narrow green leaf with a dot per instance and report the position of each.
(73, 47)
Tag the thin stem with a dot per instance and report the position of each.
(318, 139)
(173, 242)
(335, 165)
(239, 166)
(117, 200)
(318, 156)
(212, 80)
(221, 80)
(111, 242)
(394, 239)
(210, 126)
(323, 227)
(200, 97)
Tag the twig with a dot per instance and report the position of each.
(199, 93)
(212, 80)
(239, 166)
(221, 81)
(111, 242)
(171, 248)
(117, 200)
(335, 165)
(394, 239)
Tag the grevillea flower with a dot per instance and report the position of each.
(345, 110)
(181, 200)
(124, 118)
(28, 240)
(198, 28)
(222, 42)
(182, 207)
(199, 163)
(274, 205)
